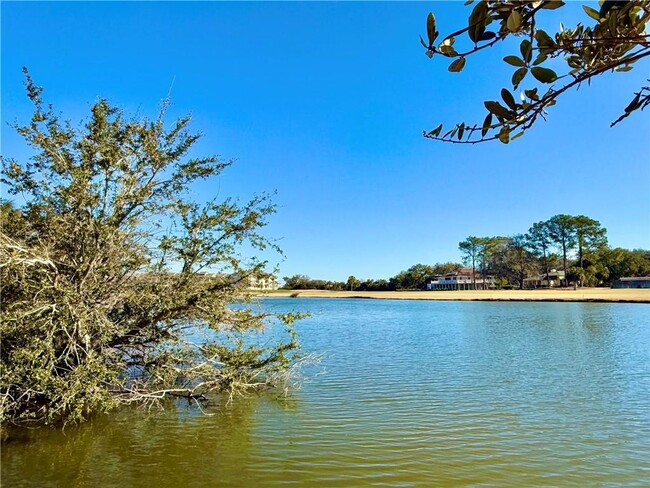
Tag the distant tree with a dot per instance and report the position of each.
(352, 283)
(297, 282)
(107, 268)
(374, 285)
(615, 41)
(514, 260)
(590, 237)
(417, 276)
(470, 250)
(538, 241)
(440, 269)
(613, 264)
(562, 232)
(489, 248)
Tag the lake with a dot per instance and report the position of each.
(408, 393)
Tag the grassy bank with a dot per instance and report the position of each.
(552, 295)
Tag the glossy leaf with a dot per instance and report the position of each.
(514, 61)
(540, 59)
(545, 75)
(508, 98)
(431, 29)
(543, 39)
(477, 21)
(486, 36)
(499, 110)
(526, 49)
(518, 76)
(486, 124)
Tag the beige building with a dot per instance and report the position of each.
(555, 278)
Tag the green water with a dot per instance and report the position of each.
(407, 394)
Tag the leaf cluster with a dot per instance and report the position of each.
(615, 41)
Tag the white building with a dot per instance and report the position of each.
(461, 280)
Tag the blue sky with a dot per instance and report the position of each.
(326, 103)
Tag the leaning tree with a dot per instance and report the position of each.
(117, 285)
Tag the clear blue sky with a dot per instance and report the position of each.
(326, 103)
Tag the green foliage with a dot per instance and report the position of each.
(352, 283)
(614, 40)
(414, 278)
(116, 286)
(470, 250)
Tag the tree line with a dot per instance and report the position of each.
(575, 244)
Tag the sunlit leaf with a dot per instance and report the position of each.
(504, 134)
(447, 50)
(514, 21)
(612, 23)
(591, 13)
(457, 65)
(552, 5)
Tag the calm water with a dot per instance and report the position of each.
(407, 394)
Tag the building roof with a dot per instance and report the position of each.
(635, 278)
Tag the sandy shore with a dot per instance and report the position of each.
(553, 295)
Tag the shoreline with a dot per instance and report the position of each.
(586, 295)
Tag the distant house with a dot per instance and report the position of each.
(554, 279)
(250, 282)
(461, 280)
(633, 282)
(268, 282)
